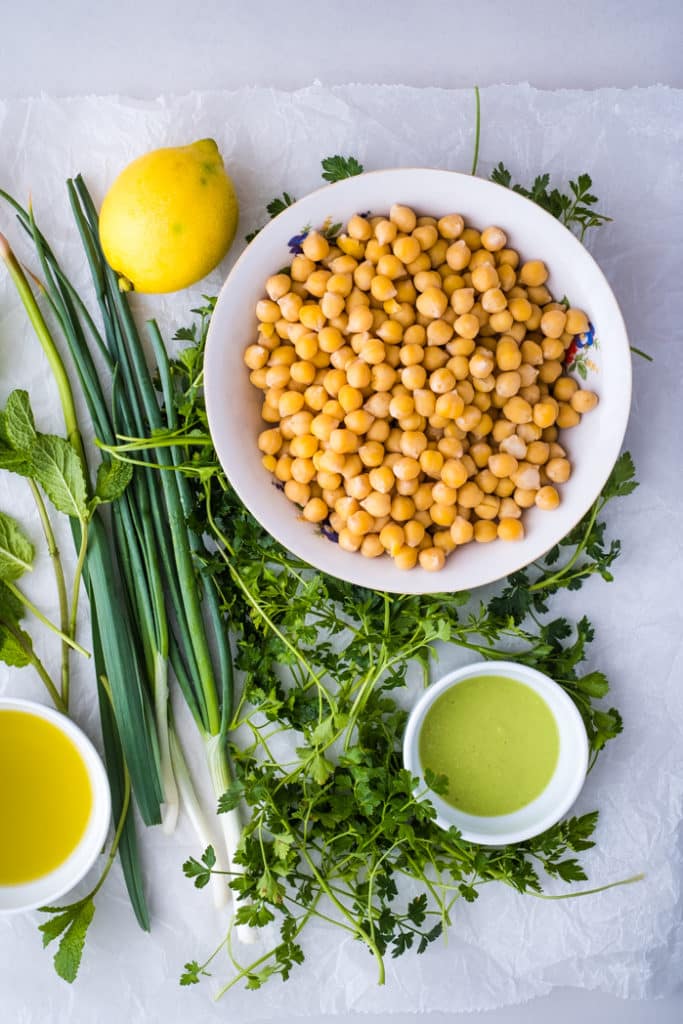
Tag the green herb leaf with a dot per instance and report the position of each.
(112, 479)
(72, 923)
(15, 647)
(335, 168)
(16, 550)
(192, 973)
(230, 799)
(200, 871)
(575, 209)
(279, 204)
(58, 470)
(19, 424)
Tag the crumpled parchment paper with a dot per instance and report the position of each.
(504, 948)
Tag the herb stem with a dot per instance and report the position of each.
(588, 892)
(58, 569)
(548, 581)
(477, 129)
(20, 596)
(34, 660)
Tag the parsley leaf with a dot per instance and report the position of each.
(575, 209)
(335, 168)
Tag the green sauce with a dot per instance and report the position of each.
(495, 739)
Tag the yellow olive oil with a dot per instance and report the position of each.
(45, 797)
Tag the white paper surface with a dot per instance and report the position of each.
(504, 948)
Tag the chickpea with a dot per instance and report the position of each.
(413, 443)
(406, 468)
(413, 377)
(359, 422)
(577, 321)
(567, 416)
(503, 464)
(414, 533)
(458, 255)
(462, 531)
(451, 226)
(508, 355)
(405, 558)
(545, 413)
(432, 559)
(533, 273)
(564, 389)
(373, 352)
(485, 531)
(392, 538)
(470, 495)
(558, 470)
(509, 509)
(553, 323)
(348, 540)
(510, 528)
(488, 507)
(467, 326)
(402, 508)
(442, 515)
(494, 301)
(518, 410)
(302, 372)
(494, 239)
(538, 453)
(403, 217)
(520, 308)
(485, 277)
(297, 492)
(583, 401)
(547, 498)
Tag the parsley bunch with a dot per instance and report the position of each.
(335, 830)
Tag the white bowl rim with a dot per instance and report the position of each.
(53, 885)
(544, 686)
(418, 580)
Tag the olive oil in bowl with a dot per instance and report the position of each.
(55, 805)
(45, 797)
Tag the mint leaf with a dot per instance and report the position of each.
(13, 652)
(72, 922)
(112, 479)
(11, 608)
(19, 425)
(16, 550)
(58, 470)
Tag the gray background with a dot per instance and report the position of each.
(149, 47)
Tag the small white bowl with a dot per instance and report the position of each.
(233, 404)
(557, 797)
(15, 899)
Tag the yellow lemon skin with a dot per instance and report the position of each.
(170, 217)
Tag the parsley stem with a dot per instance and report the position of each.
(588, 892)
(477, 130)
(548, 581)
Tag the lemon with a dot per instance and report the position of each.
(169, 217)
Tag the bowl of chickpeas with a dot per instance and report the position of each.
(417, 380)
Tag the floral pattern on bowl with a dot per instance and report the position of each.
(577, 357)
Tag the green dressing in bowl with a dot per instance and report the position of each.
(496, 741)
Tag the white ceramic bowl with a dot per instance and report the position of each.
(557, 797)
(233, 404)
(50, 887)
